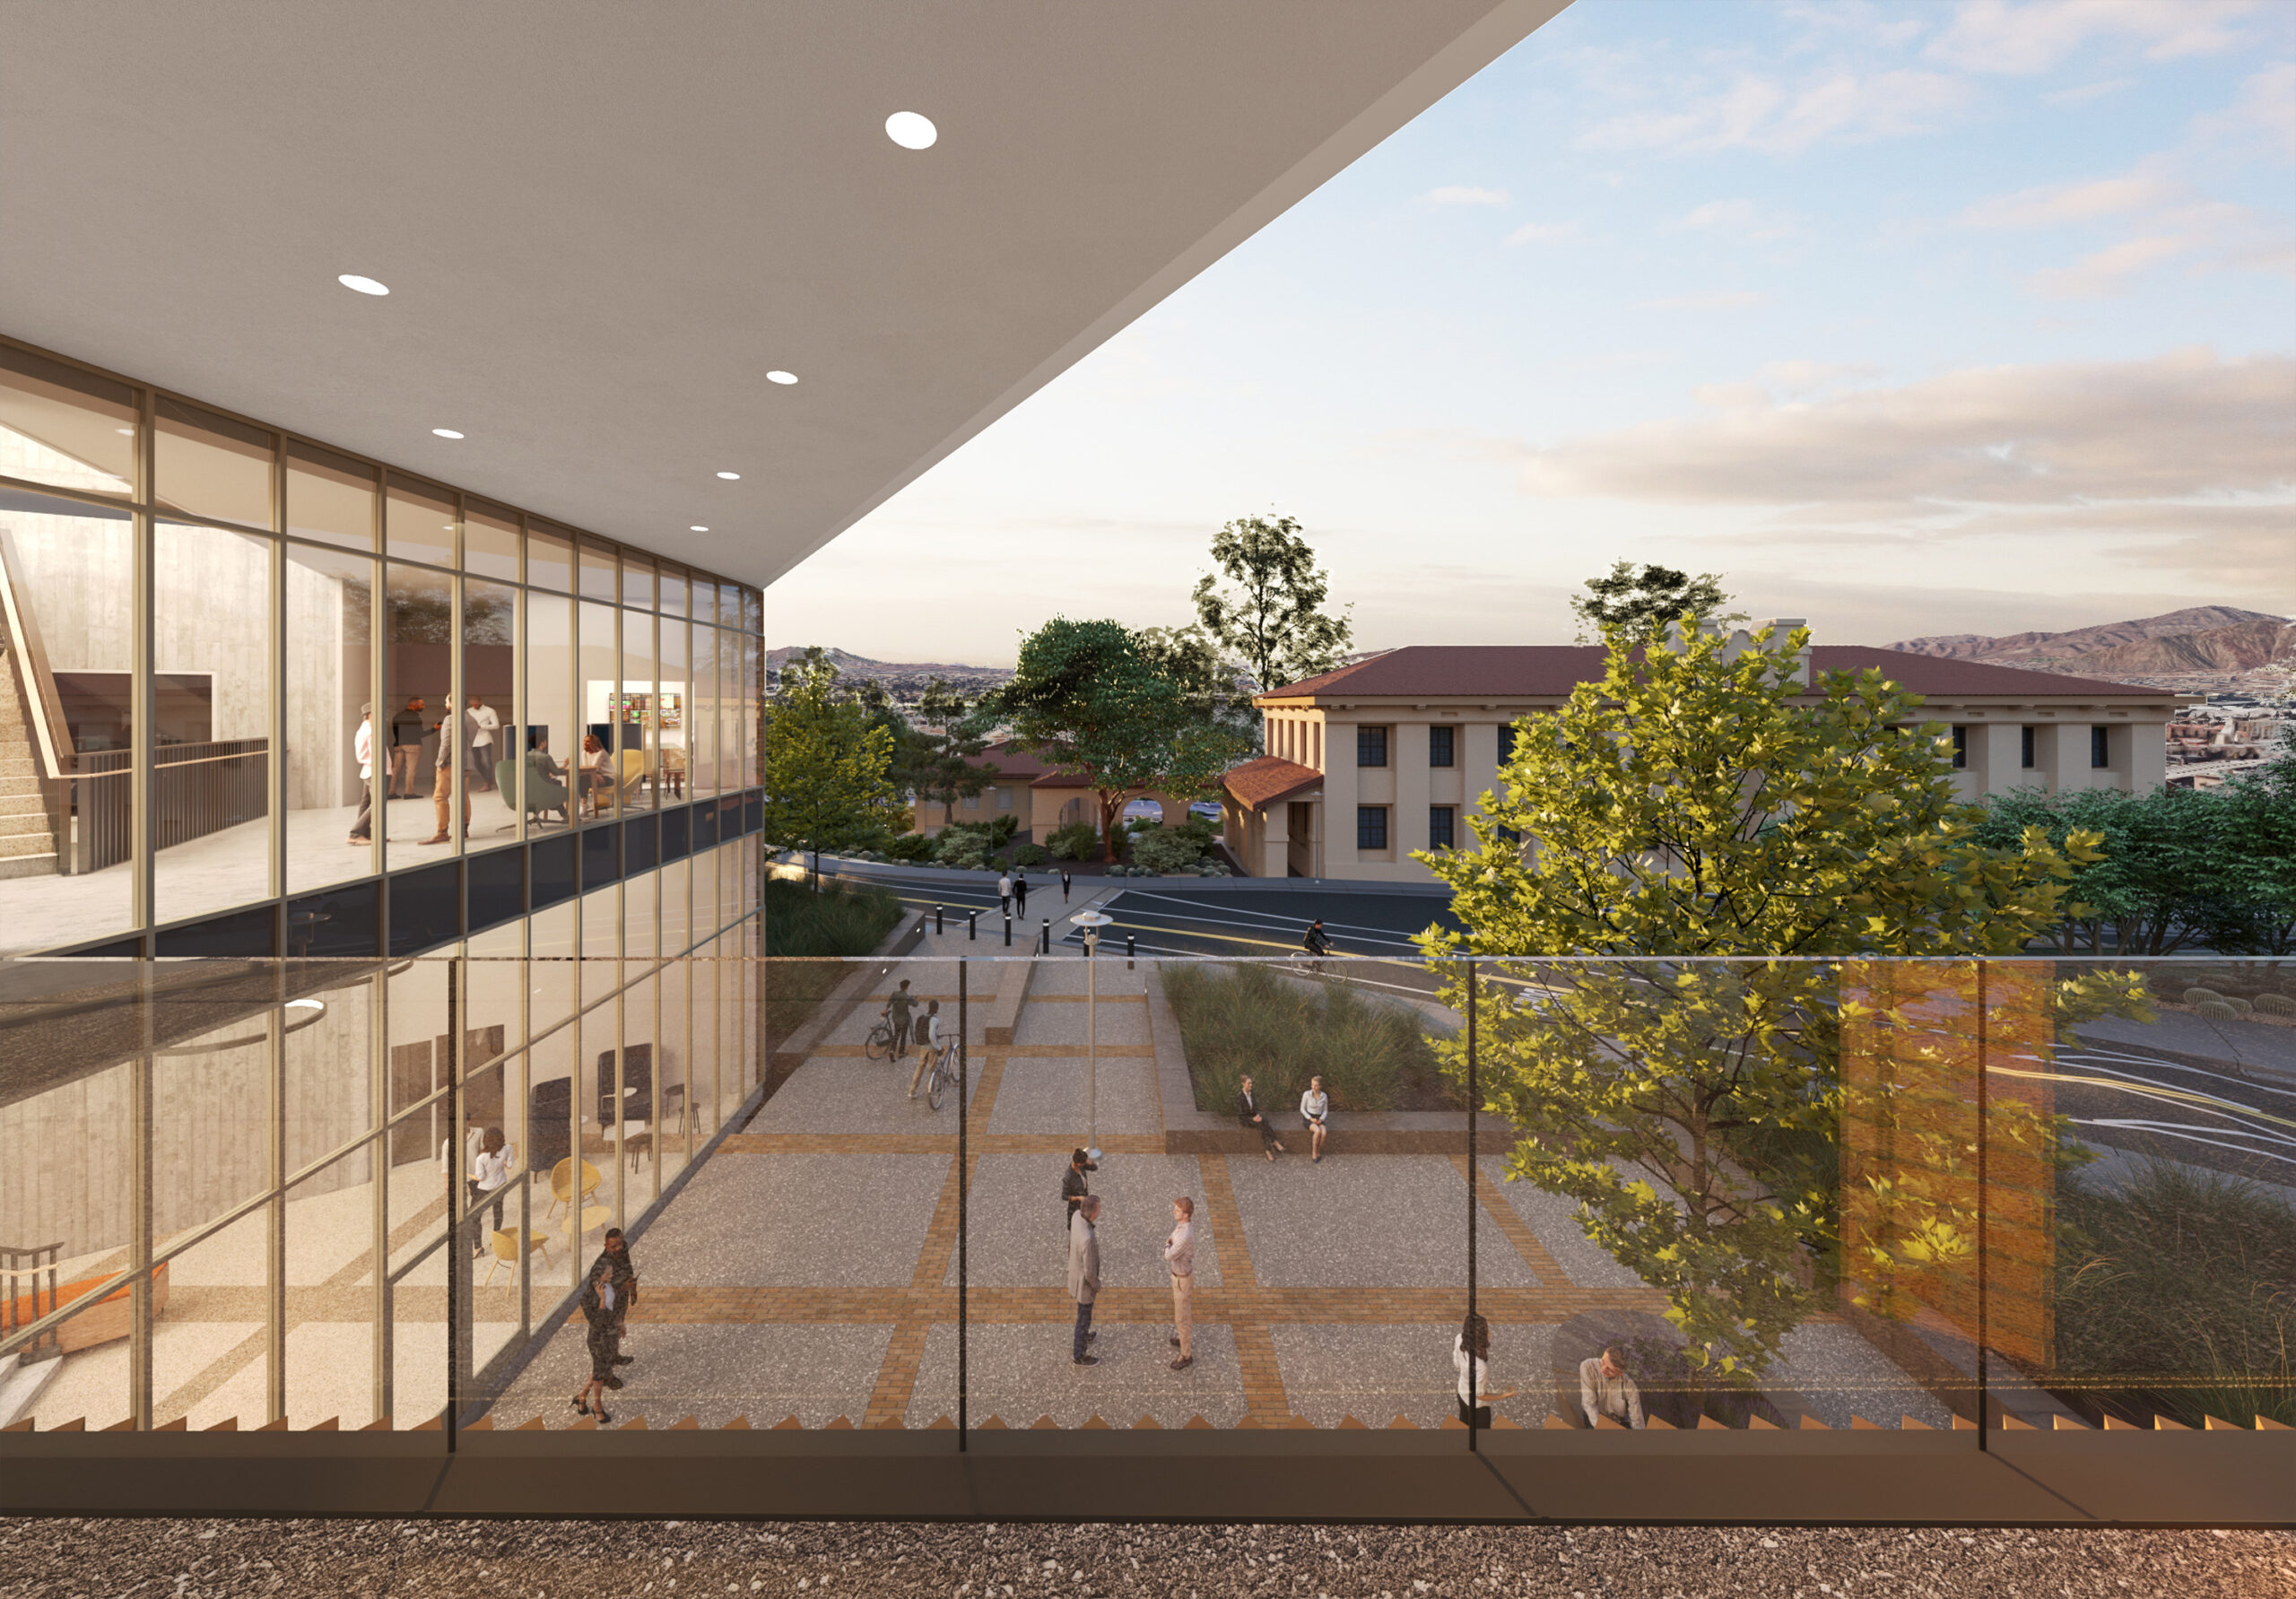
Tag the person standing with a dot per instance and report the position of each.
(615, 1255)
(455, 733)
(1064, 885)
(1004, 893)
(1074, 1190)
(1248, 1111)
(483, 747)
(898, 1006)
(598, 1310)
(1021, 892)
(1085, 1276)
(1179, 1260)
(1604, 1389)
(1471, 1359)
(406, 748)
(928, 1043)
(362, 750)
(1315, 1109)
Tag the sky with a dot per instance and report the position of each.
(1906, 318)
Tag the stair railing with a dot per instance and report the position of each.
(51, 734)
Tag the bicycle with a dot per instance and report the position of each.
(879, 1045)
(937, 1084)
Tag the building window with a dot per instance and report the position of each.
(1961, 748)
(1506, 743)
(1371, 746)
(1440, 741)
(1442, 826)
(1371, 827)
(2025, 748)
(1003, 799)
(973, 802)
(2100, 746)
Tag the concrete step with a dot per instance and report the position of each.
(18, 762)
(21, 784)
(32, 825)
(24, 844)
(27, 865)
(20, 804)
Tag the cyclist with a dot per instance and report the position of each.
(1316, 942)
(896, 1015)
(928, 1044)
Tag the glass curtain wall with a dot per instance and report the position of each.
(250, 679)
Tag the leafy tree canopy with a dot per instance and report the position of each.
(1088, 697)
(1272, 621)
(1642, 603)
(827, 768)
(1699, 803)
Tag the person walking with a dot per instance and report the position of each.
(1085, 1276)
(456, 736)
(1004, 893)
(1315, 1109)
(1471, 1359)
(489, 1173)
(896, 1015)
(483, 749)
(406, 748)
(1604, 1389)
(1179, 1260)
(617, 1256)
(362, 750)
(1248, 1111)
(928, 1043)
(1021, 892)
(1064, 885)
(1074, 1189)
(597, 1304)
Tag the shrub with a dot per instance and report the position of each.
(1074, 842)
(2276, 1005)
(1001, 830)
(1279, 1030)
(961, 846)
(2201, 996)
(1029, 854)
(1165, 849)
(2215, 1009)
(909, 846)
(2182, 1276)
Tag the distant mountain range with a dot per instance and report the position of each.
(2201, 640)
(853, 665)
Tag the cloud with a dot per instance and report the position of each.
(2083, 93)
(1996, 36)
(2263, 113)
(1740, 217)
(2160, 447)
(1756, 113)
(1719, 300)
(2108, 273)
(2216, 236)
(1458, 194)
(1806, 377)
(1543, 233)
(2056, 204)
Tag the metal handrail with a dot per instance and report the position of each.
(24, 631)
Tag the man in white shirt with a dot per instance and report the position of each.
(1179, 1260)
(1604, 1389)
(928, 1034)
(483, 744)
(1004, 893)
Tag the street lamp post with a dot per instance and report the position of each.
(1092, 921)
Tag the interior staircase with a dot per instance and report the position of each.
(27, 830)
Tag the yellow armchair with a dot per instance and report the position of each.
(563, 1178)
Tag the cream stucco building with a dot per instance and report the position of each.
(1366, 764)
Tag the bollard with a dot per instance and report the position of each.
(1131, 946)
(972, 927)
(937, 926)
(1044, 939)
(1008, 931)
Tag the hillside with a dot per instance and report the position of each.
(853, 665)
(2202, 648)
(2023, 648)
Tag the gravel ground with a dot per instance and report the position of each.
(194, 1560)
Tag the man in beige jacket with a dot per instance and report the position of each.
(1179, 1259)
(1084, 1274)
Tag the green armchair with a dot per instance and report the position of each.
(526, 787)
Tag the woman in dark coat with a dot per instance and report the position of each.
(599, 1309)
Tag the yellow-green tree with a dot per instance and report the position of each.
(1710, 836)
(827, 769)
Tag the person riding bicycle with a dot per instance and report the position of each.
(1317, 944)
(896, 1015)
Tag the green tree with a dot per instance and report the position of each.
(1642, 603)
(1695, 804)
(827, 769)
(935, 758)
(1087, 698)
(2260, 845)
(1273, 621)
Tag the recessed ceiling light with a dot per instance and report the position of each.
(697, 527)
(129, 431)
(731, 477)
(780, 376)
(911, 131)
(445, 433)
(352, 279)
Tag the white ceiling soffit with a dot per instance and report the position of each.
(602, 223)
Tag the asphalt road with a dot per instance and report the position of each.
(2175, 1111)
